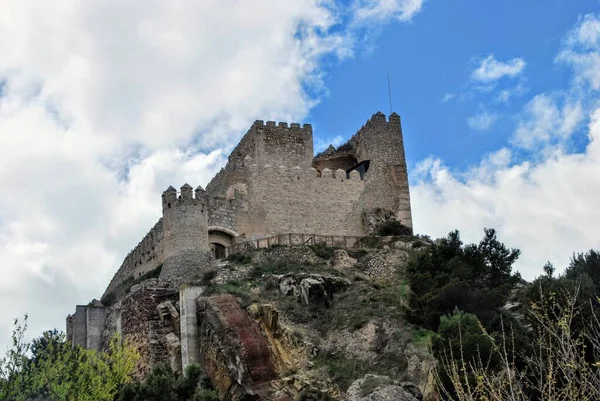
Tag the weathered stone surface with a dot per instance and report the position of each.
(343, 261)
(385, 263)
(297, 255)
(142, 327)
(381, 388)
(315, 289)
(374, 217)
(234, 353)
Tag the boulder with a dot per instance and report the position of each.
(310, 289)
(382, 388)
(342, 260)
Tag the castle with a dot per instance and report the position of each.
(272, 184)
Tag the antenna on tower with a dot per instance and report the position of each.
(389, 92)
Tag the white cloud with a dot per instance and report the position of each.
(545, 206)
(581, 51)
(548, 119)
(490, 69)
(106, 103)
(322, 143)
(379, 10)
(447, 97)
(482, 121)
(507, 94)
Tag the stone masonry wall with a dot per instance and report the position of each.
(296, 200)
(381, 142)
(284, 146)
(95, 326)
(222, 213)
(185, 227)
(270, 143)
(146, 256)
(142, 326)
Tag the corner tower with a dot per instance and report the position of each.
(185, 234)
(379, 146)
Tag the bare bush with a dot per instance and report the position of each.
(564, 364)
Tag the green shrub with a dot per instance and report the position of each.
(357, 253)
(236, 288)
(239, 258)
(392, 227)
(370, 242)
(162, 384)
(322, 250)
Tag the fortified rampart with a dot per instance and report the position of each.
(146, 256)
(300, 200)
(270, 143)
(381, 143)
(271, 185)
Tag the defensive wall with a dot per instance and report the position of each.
(300, 200)
(271, 185)
(381, 142)
(270, 143)
(146, 256)
(185, 232)
(86, 325)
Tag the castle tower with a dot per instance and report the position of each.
(380, 142)
(185, 233)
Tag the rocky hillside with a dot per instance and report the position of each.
(314, 323)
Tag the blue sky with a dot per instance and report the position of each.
(435, 55)
(104, 104)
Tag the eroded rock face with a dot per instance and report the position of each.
(248, 355)
(342, 260)
(234, 353)
(382, 388)
(372, 218)
(310, 289)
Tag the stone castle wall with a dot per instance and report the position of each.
(222, 213)
(270, 143)
(297, 200)
(143, 328)
(146, 256)
(381, 142)
(185, 230)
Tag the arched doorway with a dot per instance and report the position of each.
(220, 239)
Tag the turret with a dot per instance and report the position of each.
(380, 142)
(169, 197)
(185, 233)
(187, 192)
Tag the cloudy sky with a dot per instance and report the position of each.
(103, 104)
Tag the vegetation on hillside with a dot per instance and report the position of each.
(498, 338)
(495, 337)
(49, 368)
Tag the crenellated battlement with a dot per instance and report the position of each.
(187, 195)
(298, 173)
(376, 122)
(282, 125)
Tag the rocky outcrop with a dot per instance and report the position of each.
(234, 353)
(342, 260)
(310, 289)
(382, 388)
(152, 335)
(373, 218)
(248, 355)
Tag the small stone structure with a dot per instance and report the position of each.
(271, 185)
